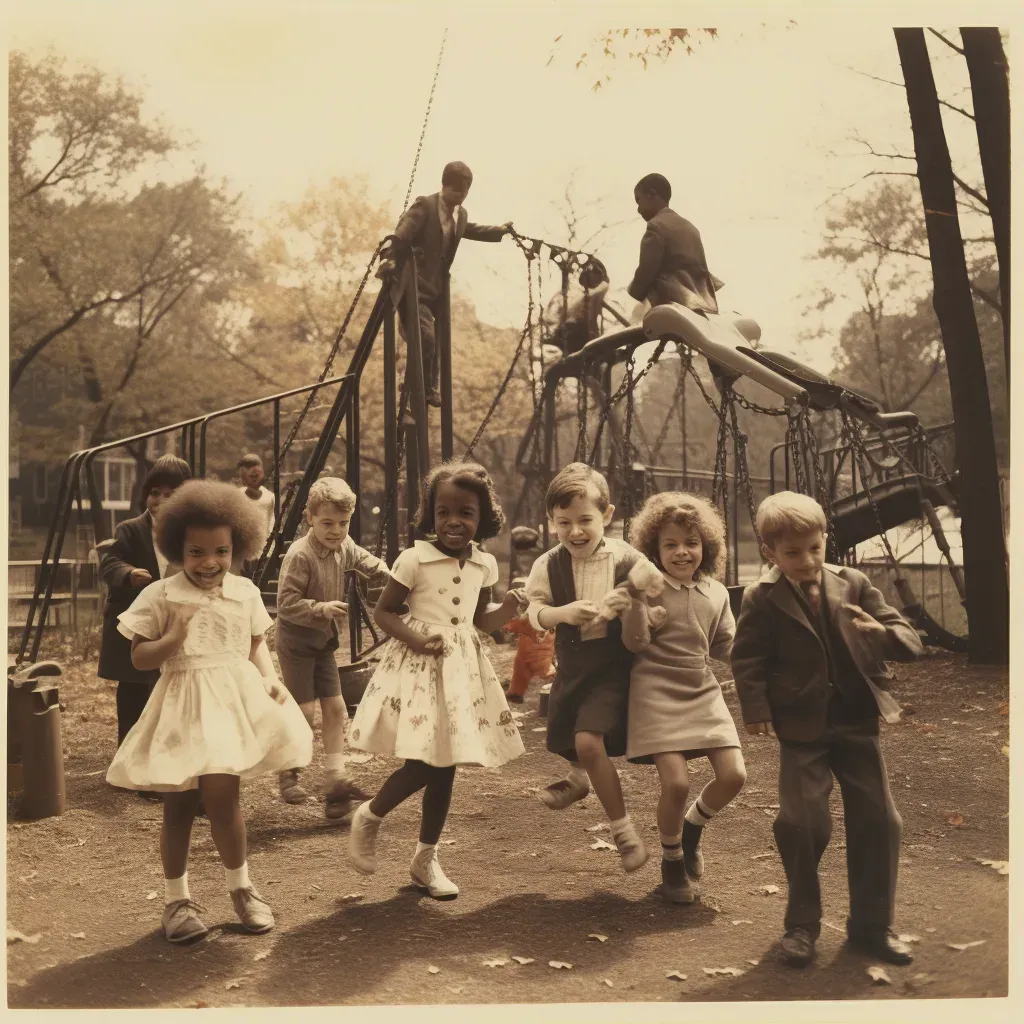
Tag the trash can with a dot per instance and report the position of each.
(545, 696)
(354, 680)
(35, 754)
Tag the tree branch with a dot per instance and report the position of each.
(901, 85)
(949, 43)
(971, 191)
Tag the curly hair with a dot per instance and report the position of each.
(209, 503)
(330, 490)
(167, 471)
(524, 538)
(577, 480)
(472, 477)
(681, 509)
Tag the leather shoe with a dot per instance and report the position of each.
(797, 947)
(434, 399)
(884, 945)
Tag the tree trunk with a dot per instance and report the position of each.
(988, 596)
(990, 89)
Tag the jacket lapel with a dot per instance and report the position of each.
(782, 595)
(146, 544)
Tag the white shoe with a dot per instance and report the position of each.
(362, 843)
(427, 874)
(631, 849)
(562, 794)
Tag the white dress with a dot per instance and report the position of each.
(444, 710)
(209, 712)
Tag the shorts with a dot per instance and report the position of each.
(310, 672)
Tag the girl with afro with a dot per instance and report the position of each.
(676, 708)
(218, 713)
(434, 699)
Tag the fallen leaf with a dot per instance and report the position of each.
(955, 819)
(446, 842)
(342, 938)
(608, 983)
(742, 921)
(834, 927)
(29, 877)
(542, 728)
(262, 956)
(1006, 751)
(455, 988)
(523, 960)
(602, 844)
(729, 972)
(15, 936)
(599, 938)
(151, 895)
(769, 890)
(676, 976)
(560, 965)
(961, 946)
(313, 885)
(499, 961)
(433, 970)
(200, 1005)
(909, 938)
(1002, 866)
(930, 930)
(753, 963)
(600, 827)
(761, 856)
(1004, 708)
(351, 897)
(878, 976)
(233, 983)
(78, 935)
(927, 728)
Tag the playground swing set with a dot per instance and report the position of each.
(883, 473)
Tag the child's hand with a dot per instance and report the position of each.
(431, 645)
(275, 689)
(615, 603)
(657, 616)
(336, 610)
(516, 599)
(864, 622)
(761, 729)
(139, 578)
(579, 613)
(181, 616)
(386, 268)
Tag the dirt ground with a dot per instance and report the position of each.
(85, 889)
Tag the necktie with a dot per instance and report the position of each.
(812, 591)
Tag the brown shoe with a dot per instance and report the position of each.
(434, 399)
(797, 947)
(252, 910)
(181, 922)
(341, 798)
(290, 788)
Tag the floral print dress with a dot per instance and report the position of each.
(443, 710)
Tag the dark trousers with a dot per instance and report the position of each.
(131, 699)
(803, 826)
(428, 343)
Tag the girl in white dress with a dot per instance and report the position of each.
(434, 699)
(218, 713)
(676, 708)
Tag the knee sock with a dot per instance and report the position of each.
(578, 776)
(423, 847)
(699, 813)
(671, 846)
(237, 878)
(176, 889)
(335, 764)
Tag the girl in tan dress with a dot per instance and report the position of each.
(676, 707)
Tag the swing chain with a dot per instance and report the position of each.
(764, 410)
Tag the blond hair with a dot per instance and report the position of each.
(330, 490)
(788, 512)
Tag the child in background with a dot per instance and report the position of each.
(218, 713)
(250, 476)
(676, 708)
(535, 653)
(525, 550)
(132, 563)
(434, 699)
(578, 589)
(808, 660)
(310, 607)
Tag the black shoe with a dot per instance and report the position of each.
(882, 944)
(434, 399)
(675, 886)
(514, 698)
(797, 947)
(692, 857)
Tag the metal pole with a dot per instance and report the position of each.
(277, 459)
(391, 427)
(549, 440)
(412, 481)
(414, 368)
(352, 457)
(443, 340)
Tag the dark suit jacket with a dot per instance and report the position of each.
(779, 660)
(672, 266)
(132, 549)
(420, 225)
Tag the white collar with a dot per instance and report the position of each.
(429, 553)
(702, 584)
(181, 588)
(773, 574)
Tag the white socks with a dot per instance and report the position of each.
(622, 825)
(176, 889)
(699, 813)
(335, 763)
(671, 846)
(578, 776)
(237, 878)
(423, 847)
(363, 810)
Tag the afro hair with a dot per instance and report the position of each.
(209, 503)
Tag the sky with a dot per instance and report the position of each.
(753, 129)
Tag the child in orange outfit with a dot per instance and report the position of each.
(534, 653)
